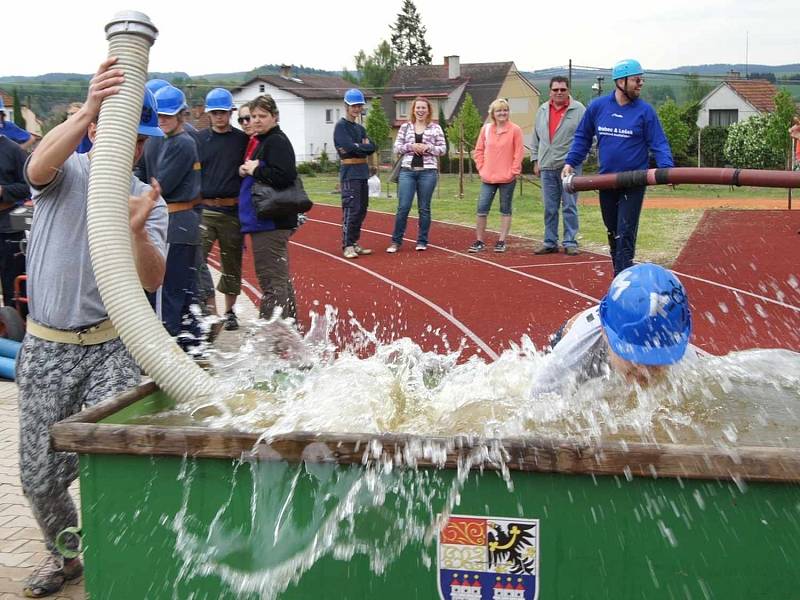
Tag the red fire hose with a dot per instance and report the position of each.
(628, 179)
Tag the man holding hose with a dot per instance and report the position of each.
(71, 356)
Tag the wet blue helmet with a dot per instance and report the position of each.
(646, 315)
(156, 84)
(148, 122)
(626, 68)
(354, 96)
(170, 100)
(219, 99)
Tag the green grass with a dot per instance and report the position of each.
(662, 232)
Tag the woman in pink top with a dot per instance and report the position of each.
(498, 156)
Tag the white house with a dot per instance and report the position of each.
(736, 100)
(309, 107)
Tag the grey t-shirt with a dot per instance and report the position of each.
(62, 291)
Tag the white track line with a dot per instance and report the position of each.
(591, 299)
(735, 290)
(464, 329)
(562, 264)
(218, 266)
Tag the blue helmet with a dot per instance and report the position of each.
(646, 315)
(626, 68)
(219, 99)
(170, 100)
(156, 84)
(354, 96)
(148, 122)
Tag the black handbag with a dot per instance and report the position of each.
(270, 203)
(395, 176)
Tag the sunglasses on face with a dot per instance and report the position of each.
(557, 90)
(243, 120)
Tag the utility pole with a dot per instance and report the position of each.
(569, 76)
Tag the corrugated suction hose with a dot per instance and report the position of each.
(130, 35)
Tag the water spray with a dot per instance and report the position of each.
(628, 179)
(130, 35)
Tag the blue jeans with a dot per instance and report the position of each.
(621, 210)
(487, 193)
(554, 196)
(410, 182)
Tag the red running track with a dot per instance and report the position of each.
(744, 293)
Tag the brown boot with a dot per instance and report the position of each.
(51, 575)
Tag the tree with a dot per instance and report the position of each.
(675, 128)
(780, 122)
(19, 120)
(472, 122)
(443, 124)
(377, 126)
(376, 69)
(749, 147)
(408, 37)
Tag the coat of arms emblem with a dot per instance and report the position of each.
(488, 558)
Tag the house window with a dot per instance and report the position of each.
(402, 109)
(329, 115)
(338, 114)
(262, 87)
(722, 118)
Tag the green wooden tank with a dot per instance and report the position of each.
(176, 512)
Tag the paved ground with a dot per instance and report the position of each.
(21, 546)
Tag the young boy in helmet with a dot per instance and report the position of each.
(353, 145)
(173, 160)
(627, 130)
(71, 356)
(640, 328)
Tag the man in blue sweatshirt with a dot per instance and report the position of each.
(353, 145)
(627, 130)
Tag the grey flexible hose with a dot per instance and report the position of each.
(130, 35)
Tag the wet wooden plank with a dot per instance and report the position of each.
(83, 434)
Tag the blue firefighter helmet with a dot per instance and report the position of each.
(354, 96)
(626, 68)
(219, 99)
(170, 100)
(646, 315)
(148, 122)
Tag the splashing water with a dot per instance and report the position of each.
(302, 513)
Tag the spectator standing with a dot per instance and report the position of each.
(556, 122)
(71, 356)
(353, 145)
(420, 142)
(627, 130)
(794, 132)
(174, 162)
(222, 148)
(273, 163)
(14, 191)
(12, 131)
(498, 156)
(374, 183)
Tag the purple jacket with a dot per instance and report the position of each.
(433, 136)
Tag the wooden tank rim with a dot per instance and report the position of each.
(83, 433)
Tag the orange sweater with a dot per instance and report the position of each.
(498, 155)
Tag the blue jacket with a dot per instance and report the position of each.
(348, 137)
(625, 136)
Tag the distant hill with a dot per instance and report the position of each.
(718, 70)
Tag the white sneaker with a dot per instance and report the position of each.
(350, 252)
(393, 249)
(362, 251)
(422, 247)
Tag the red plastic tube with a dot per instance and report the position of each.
(628, 179)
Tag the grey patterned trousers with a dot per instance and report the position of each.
(56, 381)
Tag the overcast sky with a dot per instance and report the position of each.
(59, 36)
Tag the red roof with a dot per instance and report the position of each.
(758, 92)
